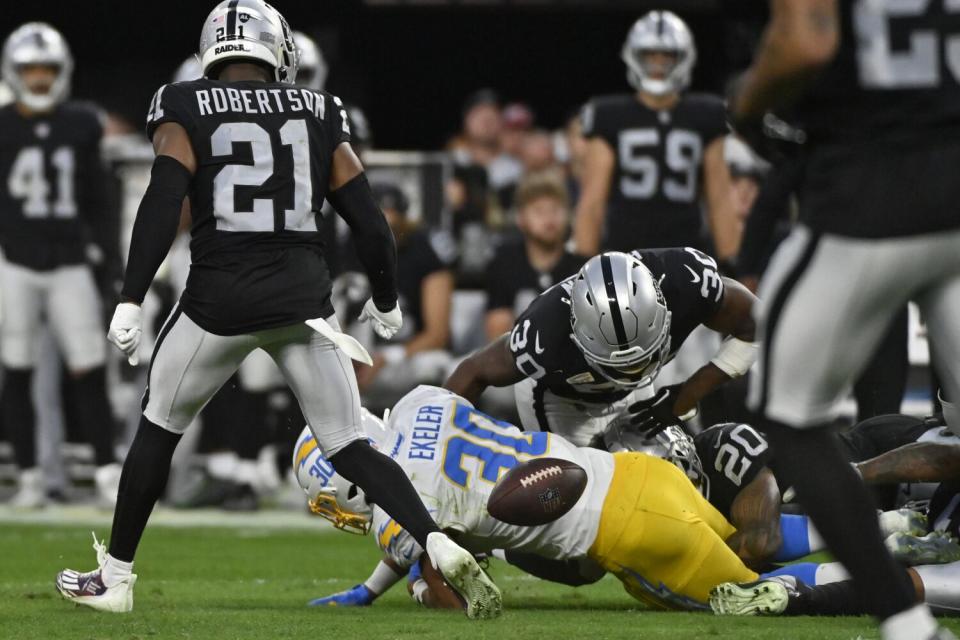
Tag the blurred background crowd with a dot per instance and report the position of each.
(470, 120)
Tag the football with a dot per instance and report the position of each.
(537, 492)
(442, 595)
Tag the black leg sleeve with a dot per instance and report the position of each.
(89, 404)
(386, 485)
(18, 416)
(811, 461)
(142, 483)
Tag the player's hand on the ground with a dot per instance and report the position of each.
(385, 323)
(125, 330)
(358, 596)
(655, 414)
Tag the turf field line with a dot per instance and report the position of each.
(72, 515)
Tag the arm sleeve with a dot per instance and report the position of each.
(771, 206)
(155, 227)
(372, 236)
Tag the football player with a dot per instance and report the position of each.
(653, 155)
(639, 517)
(877, 88)
(587, 351)
(257, 157)
(53, 203)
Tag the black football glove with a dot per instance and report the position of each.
(655, 414)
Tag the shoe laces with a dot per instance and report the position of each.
(100, 548)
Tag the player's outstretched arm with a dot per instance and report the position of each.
(801, 38)
(721, 210)
(592, 207)
(755, 513)
(491, 366)
(736, 354)
(351, 196)
(917, 462)
(386, 574)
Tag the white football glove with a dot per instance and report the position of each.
(125, 330)
(385, 324)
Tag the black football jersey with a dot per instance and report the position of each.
(895, 73)
(264, 155)
(513, 283)
(732, 455)
(883, 120)
(657, 181)
(543, 349)
(54, 184)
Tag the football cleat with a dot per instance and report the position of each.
(933, 548)
(902, 521)
(88, 588)
(761, 598)
(462, 572)
(32, 493)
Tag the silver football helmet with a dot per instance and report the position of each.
(620, 319)
(37, 43)
(313, 69)
(671, 444)
(248, 30)
(330, 495)
(659, 31)
(188, 70)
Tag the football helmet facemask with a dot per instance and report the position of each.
(619, 319)
(37, 43)
(659, 32)
(330, 495)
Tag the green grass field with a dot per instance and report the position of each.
(212, 583)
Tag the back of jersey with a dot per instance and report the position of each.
(454, 455)
(897, 73)
(264, 155)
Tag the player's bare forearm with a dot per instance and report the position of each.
(917, 462)
(721, 212)
(801, 38)
(588, 224)
(735, 315)
(490, 366)
(755, 513)
(698, 386)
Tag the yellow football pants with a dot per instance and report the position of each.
(661, 538)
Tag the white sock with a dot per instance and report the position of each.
(831, 572)
(915, 623)
(114, 571)
(247, 472)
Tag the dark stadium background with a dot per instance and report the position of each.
(408, 65)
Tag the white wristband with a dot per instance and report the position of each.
(735, 357)
(419, 588)
(394, 353)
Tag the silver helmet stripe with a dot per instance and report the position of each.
(613, 301)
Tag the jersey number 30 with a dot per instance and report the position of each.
(485, 441)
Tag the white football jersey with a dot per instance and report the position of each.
(454, 455)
